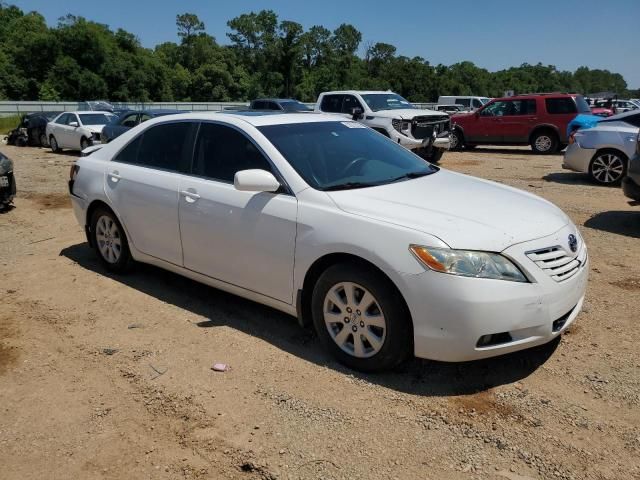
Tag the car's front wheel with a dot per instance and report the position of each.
(608, 167)
(109, 240)
(43, 140)
(84, 143)
(361, 318)
(456, 140)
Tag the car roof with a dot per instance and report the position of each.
(361, 92)
(258, 118)
(621, 116)
(536, 95)
(90, 111)
(276, 100)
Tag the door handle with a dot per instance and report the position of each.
(115, 176)
(190, 196)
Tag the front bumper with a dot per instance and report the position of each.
(577, 158)
(631, 188)
(7, 188)
(452, 315)
(442, 141)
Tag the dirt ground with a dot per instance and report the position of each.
(110, 377)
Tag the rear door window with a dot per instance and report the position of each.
(130, 121)
(464, 101)
(221, 151)
(166, 146)
(560, 106)
(62, 120)
(332, 103)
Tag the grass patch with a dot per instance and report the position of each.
(8, 123)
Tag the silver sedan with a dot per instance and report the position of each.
(604, 151)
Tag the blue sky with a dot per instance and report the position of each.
(493, 34)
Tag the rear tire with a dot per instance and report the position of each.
(43, 140)
(53, 143)
(544, 142)
(361, 318)
(608, 167)
(110, 241)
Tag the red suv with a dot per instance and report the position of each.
(539, 120)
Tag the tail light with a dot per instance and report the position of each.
(73, 172)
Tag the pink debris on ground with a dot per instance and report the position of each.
(220, 367)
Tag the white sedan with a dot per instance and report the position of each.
(325, 219)
(77, 130)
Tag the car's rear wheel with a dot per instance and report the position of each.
(53, 143)
(608, 167)
(361, 318)
(544, 142)
(456, 140)
(110, 240)
(43, 140)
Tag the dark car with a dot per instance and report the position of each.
(631, 183)
(31, 130)
(130, 119)
(7, 181)
(539, 120)
(279, 104)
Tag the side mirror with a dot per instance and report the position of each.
(73, 124)
(357, 113)
(255, 181)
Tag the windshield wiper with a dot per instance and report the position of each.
(349, 186)
(412, 175)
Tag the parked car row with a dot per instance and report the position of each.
(339, 225)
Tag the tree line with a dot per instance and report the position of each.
(79, 59)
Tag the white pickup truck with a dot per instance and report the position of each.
(426, 132)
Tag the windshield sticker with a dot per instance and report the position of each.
(353, 125)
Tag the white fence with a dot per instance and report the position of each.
(15, 108)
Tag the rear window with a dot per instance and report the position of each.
(331, 103)
(559, 106)
(583, 106)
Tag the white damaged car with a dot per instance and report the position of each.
(77, 130)
(327, 220)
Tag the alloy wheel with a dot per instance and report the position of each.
(607, 168)
(543, 143)
(354, 319)
(109, 239)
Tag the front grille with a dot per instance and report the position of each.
(424, 127)
(556, 262)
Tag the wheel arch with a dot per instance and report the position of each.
(93, 206)
(546, 127)
(321, 264)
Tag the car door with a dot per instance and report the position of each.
(517, 122)
(142, 183)
(73, 133)
(243, 238)
(55, 127)
(349, 103)
(64, 130)
(332, 103)
(483, 126)
(114, 130)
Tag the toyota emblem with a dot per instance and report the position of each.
(573, 243)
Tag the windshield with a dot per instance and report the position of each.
(343, 155)
(583, 106)
(295, 107)
(96, 118)
(385, 101)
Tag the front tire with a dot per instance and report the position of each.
(457, 140)
(608, 167)
(361, 318)
(43, 140)
(544, 142)
(110, 241)
(84, 143)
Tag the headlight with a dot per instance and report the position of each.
(467, 263)
(397, 124)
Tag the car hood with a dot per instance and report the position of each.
(462, 211)
(407, 113)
